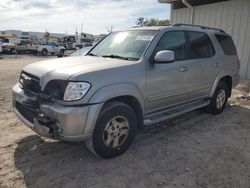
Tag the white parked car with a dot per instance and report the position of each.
(49, 47)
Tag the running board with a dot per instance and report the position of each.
(174, 111)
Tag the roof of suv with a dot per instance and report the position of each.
(147, 28)
(184, 26)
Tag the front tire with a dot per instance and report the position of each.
(114, 131)
(219, 99)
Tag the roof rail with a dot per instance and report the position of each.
(199, 26)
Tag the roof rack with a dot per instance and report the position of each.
(199, 26)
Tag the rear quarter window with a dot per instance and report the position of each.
(227, 44)
(200, 45)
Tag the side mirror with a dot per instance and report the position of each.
(164, 56)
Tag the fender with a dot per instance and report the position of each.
(218, 78)
(107, 93)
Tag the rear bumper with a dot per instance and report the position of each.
(51, 119)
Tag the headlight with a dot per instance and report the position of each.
(75, 90)
(55, 89)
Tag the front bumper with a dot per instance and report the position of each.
(50, 119)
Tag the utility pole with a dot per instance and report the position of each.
(81, 41)
(77, 37)
(15, 48)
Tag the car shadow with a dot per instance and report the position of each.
(159, 154)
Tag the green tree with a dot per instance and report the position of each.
(141, 21)
(152, 22)
(163, 22)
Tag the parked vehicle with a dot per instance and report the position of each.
(21, 47)
(131, 79)
(1, 49)
(69, 42)
(24, 46)
(49, 47)
(73, 42)
(81, 51)
(8, 46)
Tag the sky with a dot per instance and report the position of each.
(61, 16)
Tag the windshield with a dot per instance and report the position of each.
(129, 45)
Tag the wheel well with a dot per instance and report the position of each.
(134, 104)
(228, 81)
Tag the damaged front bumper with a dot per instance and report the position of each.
(50, 119)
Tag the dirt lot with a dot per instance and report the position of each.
(194, 150)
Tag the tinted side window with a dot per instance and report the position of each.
(200, 45)
(227, 44)
(174, 41)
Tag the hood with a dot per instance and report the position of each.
(64, 68)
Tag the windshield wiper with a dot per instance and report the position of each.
(119, 57)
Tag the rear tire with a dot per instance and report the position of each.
(219, 99)
(12, 51)
(114, 131)
(44, 52)
(62, 52)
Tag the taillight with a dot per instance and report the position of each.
(238, 64)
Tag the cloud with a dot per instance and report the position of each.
(37, 5)
(63, 15)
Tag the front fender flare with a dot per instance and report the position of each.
(107, 93)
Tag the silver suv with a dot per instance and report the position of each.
(131, 79)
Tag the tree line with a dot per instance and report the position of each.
(141, 21)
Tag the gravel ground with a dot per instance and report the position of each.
(193, 150)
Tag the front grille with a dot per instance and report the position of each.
(30, 82)
(31, 112)
(27, 112)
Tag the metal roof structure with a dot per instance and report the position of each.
(177, 4)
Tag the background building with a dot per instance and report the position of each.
(233, 16)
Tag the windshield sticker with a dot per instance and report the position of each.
(145, 37)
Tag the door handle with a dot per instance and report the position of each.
(216, 65)
(183, 69)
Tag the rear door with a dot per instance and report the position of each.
(50, 47)
(56, 48)
(203, 64)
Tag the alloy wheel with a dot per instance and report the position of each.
(221, 98)
(116, 132)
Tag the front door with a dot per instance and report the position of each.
(167, 82)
